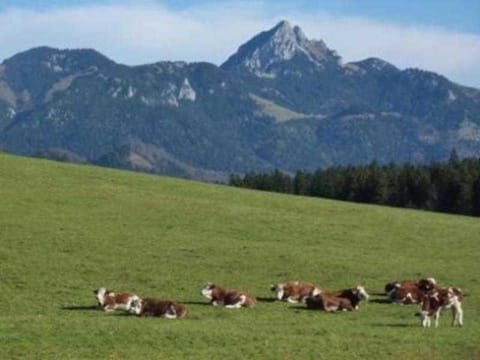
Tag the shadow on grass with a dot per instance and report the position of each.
(302, 308)
(266, 299)
(123, 313)
(81, 307)
(395, 325)
(196, 303)
(378, 294)
(380, 301)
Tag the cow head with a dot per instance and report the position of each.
(207, 290)
(100, 294)
(360, 292)
(278, 288)
(135, 306)
(427, 284)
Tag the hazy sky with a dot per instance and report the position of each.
(437, 35)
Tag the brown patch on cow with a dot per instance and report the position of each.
(329, 303)
(162, 308)
(112, 301)
(295, 290)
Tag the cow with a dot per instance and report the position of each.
(229, 298)
(426, 284)
(441, 299)
(157, 307)
(342, 300)
(294, 291)
(354, 295)
(411, 292)
(329, 303)
(110, 301)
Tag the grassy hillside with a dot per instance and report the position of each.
(65, 230)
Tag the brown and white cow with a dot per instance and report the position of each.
(294, 291)
(111, 301)
(343, 300)
(157, 307)
(231, 299)
(410, 292)
(441, 299)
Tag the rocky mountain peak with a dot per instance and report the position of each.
(279, 44)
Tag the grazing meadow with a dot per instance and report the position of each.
(66, 230)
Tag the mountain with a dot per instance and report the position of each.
(281, 101)
(263, 53)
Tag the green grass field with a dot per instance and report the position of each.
(66, 230)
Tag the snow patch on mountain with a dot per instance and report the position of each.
(451, 96)
(54, 62)
(11, 113)
(168, 95)
(131, 92)
(186, 91)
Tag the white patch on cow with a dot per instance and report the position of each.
(100, 295)
(237, 305)
(409, 297)
(425, 319)
(436, 316)
(122, 306)
(135, 306)
(280, 291)
(292, 300)
(207, 291)
(316, 291)
(362, 292)
(331, 308)
(458, 315)
(170, 316)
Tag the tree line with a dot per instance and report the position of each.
(452, 187)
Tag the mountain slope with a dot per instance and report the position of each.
(281, 101)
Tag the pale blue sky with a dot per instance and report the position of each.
(438, 35)
(463, 15)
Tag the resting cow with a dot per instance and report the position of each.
(157, 307)
(343, 300)
(111, 301)
(229, 298)
(294, 291)
(410, 292)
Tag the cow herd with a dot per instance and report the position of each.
(424, 292)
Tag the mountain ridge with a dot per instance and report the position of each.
(297, 107)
